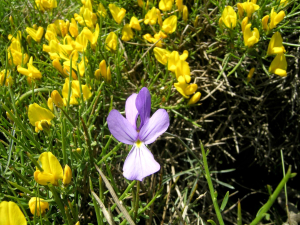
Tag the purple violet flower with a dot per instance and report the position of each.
(140, 162)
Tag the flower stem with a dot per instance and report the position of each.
(137, 200)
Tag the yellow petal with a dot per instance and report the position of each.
(38, 205)
(51, 165)
(194, 99)
(67, 175)
(37, 113)
(11, 214)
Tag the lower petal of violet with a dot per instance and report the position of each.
(139, 163)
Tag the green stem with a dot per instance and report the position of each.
(211, 188)
(272, 198)
(137, 200)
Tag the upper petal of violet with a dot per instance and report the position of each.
(139, 163)
(130, 109)
(121, 128)
(156, 126)
(143, 105)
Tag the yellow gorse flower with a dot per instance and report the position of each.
(35, 34)
(92, 37)
(11, 214)
(194, 99)
(185, 89)
(73, 28)
(140, 3)
(162, 55)
(151, 39)
(228, 17)
(170, 24)
(43, 5)
(179, 4)
(250, 74)
(275, 45)
(276, 18)
(39, 117)
(244, 23)
(67, 175)
(279, 65)
(151, 16)
(135, 24)
(127, 33)
(52, 170)
(185, 13)
(31, 71)
(101, 10)
(165, 5)
(111, 41)
(104, 71)
(5, 74)
(61, 27)
(57, 99)
(38, 206)
(117, 13)
(75, 92)
(250, 37)
(14, 51)
(249, 7)
(86, 17)
(50, 104)
(174, 58)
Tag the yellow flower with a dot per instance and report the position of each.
(161, 55)
(92, 37)
(228, 17)
(151, 39)
(279, 65)
(165, 5)
(249, 7)
(159, 35)
(284, 2)
(183, 70)
(151, 17)
(275, 45)
(43, 5)
(38, 206)
(51, 33)
(134, 23)
(61, 27)
(50, 104)
(14, 52)
(184, 89)
(194, 99)
(140, 3)
(101, 10)
(35, 34)
(75, 92)
(244, 23)
(264, 22)
(170, 24)
(57, 99)
(250, 74)
(56, 64)
(86, 17)
(81, 42)
(7, 77)
(250, 37)
(127, 33)
(159, 18)
(185, 13)
(104, 71)
(77, 223)
(52, 170)
(111, 41)
(276, 18)
(31, 72)
(11, 214)
(67, 175)
(39, 117)
(117, 13)
(179, 4)
(174, 58)
(73, 28)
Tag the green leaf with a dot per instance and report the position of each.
(212, 222)
(225, 200)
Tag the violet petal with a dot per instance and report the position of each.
(121, 128)
(156, 126)
(139, 163)
(131, 111)
(143, 105)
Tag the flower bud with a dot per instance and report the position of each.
(250, 74)
(38, 206)
(57, 99)
(50, 104)
(67, 175)
(264, 22)
(194, 99)
(140, 3)
(185, 13)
